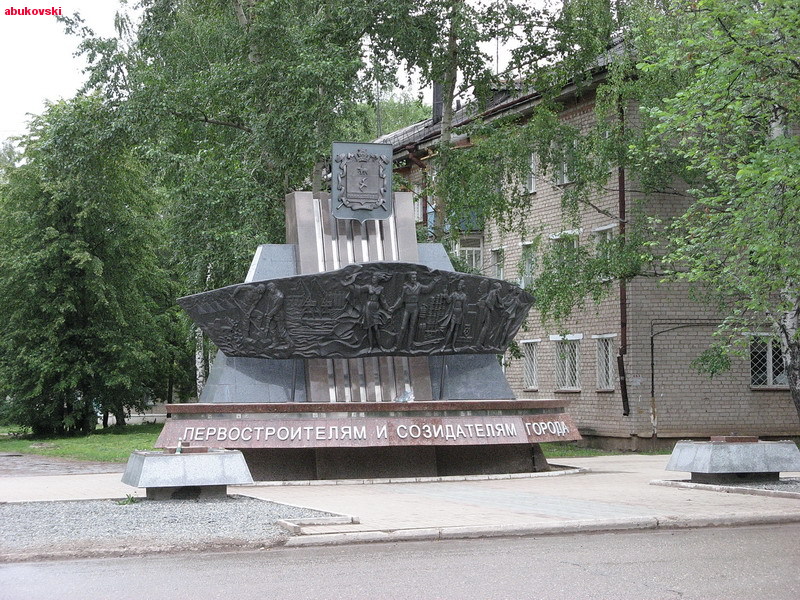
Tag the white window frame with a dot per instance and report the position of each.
(530, 364)
(773, 381)
(606, 370)
(568, 362)
(471, 255)
(567, 233)
(600, 235)
(527, 264)
(498, 263)
(530, 185)
(562, 174)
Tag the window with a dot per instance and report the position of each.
(566, 241)
(527, 265)
(563, 172)
(530, 364)
(568, 363)
(419, 203)
(603, 238)
(470, 251)
(767, 368)
(530, 185)
(605, 362)
(564, 245)
(498, 262)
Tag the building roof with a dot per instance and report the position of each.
(517, 99)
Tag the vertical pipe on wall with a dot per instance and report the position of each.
(623, 290)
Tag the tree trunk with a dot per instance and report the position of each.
(316, 179)
(792, 358)
(199, 361)
(448, 95)
(788, 328)
(119, 417)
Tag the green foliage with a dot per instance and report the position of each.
(113, 444)
(396, 112)
(731, 124)
(80, 283)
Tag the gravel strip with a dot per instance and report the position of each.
(106, 527)
(788, 484)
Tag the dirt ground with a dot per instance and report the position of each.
(25, 465)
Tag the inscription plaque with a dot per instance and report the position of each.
(371, 431)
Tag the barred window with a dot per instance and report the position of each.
(767, 368)
(605, 363)
(530, 365)
(568, 365)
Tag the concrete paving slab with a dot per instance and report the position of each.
(96, 486)
(612, 493)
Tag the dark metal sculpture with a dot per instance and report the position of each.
(371, 309)
(362, 181)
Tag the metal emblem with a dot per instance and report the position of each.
(362, 181)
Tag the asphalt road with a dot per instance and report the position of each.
(730, 563)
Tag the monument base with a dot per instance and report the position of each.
(269, 464)
(309, 441)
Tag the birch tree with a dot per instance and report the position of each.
(736, 124)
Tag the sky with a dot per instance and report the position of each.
(37, 61)
(36, 57)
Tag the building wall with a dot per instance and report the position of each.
(666, 331)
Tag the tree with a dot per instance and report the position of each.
(442, 40)
(80, 283)
(734, 124)
(712, 88)
(233, 104)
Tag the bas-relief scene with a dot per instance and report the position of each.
(372, 309)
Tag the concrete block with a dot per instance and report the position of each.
(213, 468)
(734, 457)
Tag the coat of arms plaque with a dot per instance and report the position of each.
(361, 186)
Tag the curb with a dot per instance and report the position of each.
(727, 489)
(295, 526)
(563, 470)
(563, 528)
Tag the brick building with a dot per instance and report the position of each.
(647, 329)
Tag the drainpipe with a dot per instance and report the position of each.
(623, 290)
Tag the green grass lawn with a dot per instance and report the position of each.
(104, 445)
(571, 450)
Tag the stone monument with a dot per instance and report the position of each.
(352, 351)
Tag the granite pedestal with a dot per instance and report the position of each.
(734, 460)
(187, 475)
